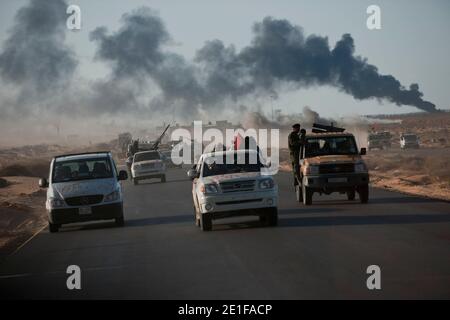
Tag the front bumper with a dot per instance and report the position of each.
(99, 212)
(336, 181)
(223, 204)
(150, 173)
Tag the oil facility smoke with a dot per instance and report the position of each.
(146, 75)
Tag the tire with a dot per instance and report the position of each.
(120, 222)
(364, 193)
(163, 178)
(298, 193)
(351, 195)
(272, 217)
(53, 227)
(135, 181)
(307, 195)
(197, 220)
(205, 222)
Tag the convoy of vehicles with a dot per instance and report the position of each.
(83, 187)
(409, 141)
(330, 162)
(148, 165)
(86, 187)
(222, 188)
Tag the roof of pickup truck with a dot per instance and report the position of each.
(79, 156)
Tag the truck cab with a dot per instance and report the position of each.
(331, 162)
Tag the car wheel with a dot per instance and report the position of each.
(53, 227)
(364, 193)
(307, 195)
(135, 181)
(298, 193)
(272, 217)
(163, 178)
(205, 222)
(351, 195)
(120, 222)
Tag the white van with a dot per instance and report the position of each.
(83, 187)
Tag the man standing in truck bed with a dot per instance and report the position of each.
(294, 144)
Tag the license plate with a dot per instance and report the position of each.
(337, 180)
(85, 210)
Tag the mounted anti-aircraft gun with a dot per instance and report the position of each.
(158, 141)
(320, 128)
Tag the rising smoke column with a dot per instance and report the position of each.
(279, 55)
(34, 57)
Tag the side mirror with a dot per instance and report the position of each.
(192, 174)
(363, 151)
(123, 175)
(43, 183)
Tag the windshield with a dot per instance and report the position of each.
(330, 146)
(145, 156)
(240, 164)
(83, 169)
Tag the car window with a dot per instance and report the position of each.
(214, 168)
(330, 146)
(82, 169)
(145, 156)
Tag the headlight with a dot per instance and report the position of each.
(209, 188)
(113, 196)
(360, 167)
(136, 166)
(266, 184)
(56, 203)
(312, 170)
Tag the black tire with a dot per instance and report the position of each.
(135, 181)
(364, 194)
(163, 178)
(205, 222)
(120, 221)
(351, 195)
(307, 195)
(298, 193)
(53, 227)
(272, 217)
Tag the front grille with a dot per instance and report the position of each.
(84, 200)
(337, 168)
(148, 166)
(238, 186)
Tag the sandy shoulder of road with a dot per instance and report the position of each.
(405, 182)
(22, 212)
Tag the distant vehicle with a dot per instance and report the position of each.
(221, 190)
(83, 187)
(379, 140)
(409, 141)
(148, 165)
(167, 158)
(124, 140)
(330, 162)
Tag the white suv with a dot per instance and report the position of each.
(147, 165)
(224, 188)
(83, 187)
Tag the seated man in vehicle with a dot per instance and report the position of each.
(63, 173)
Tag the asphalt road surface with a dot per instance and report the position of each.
(321, 251)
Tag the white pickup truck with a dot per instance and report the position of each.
(224, 188)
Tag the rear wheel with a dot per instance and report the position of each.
(307, 195)
(53, 227)
(351, 195)
(364, 193)
(205, 222)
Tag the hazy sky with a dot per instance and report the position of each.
(413, 44)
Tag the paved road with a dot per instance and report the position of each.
(320, 251)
